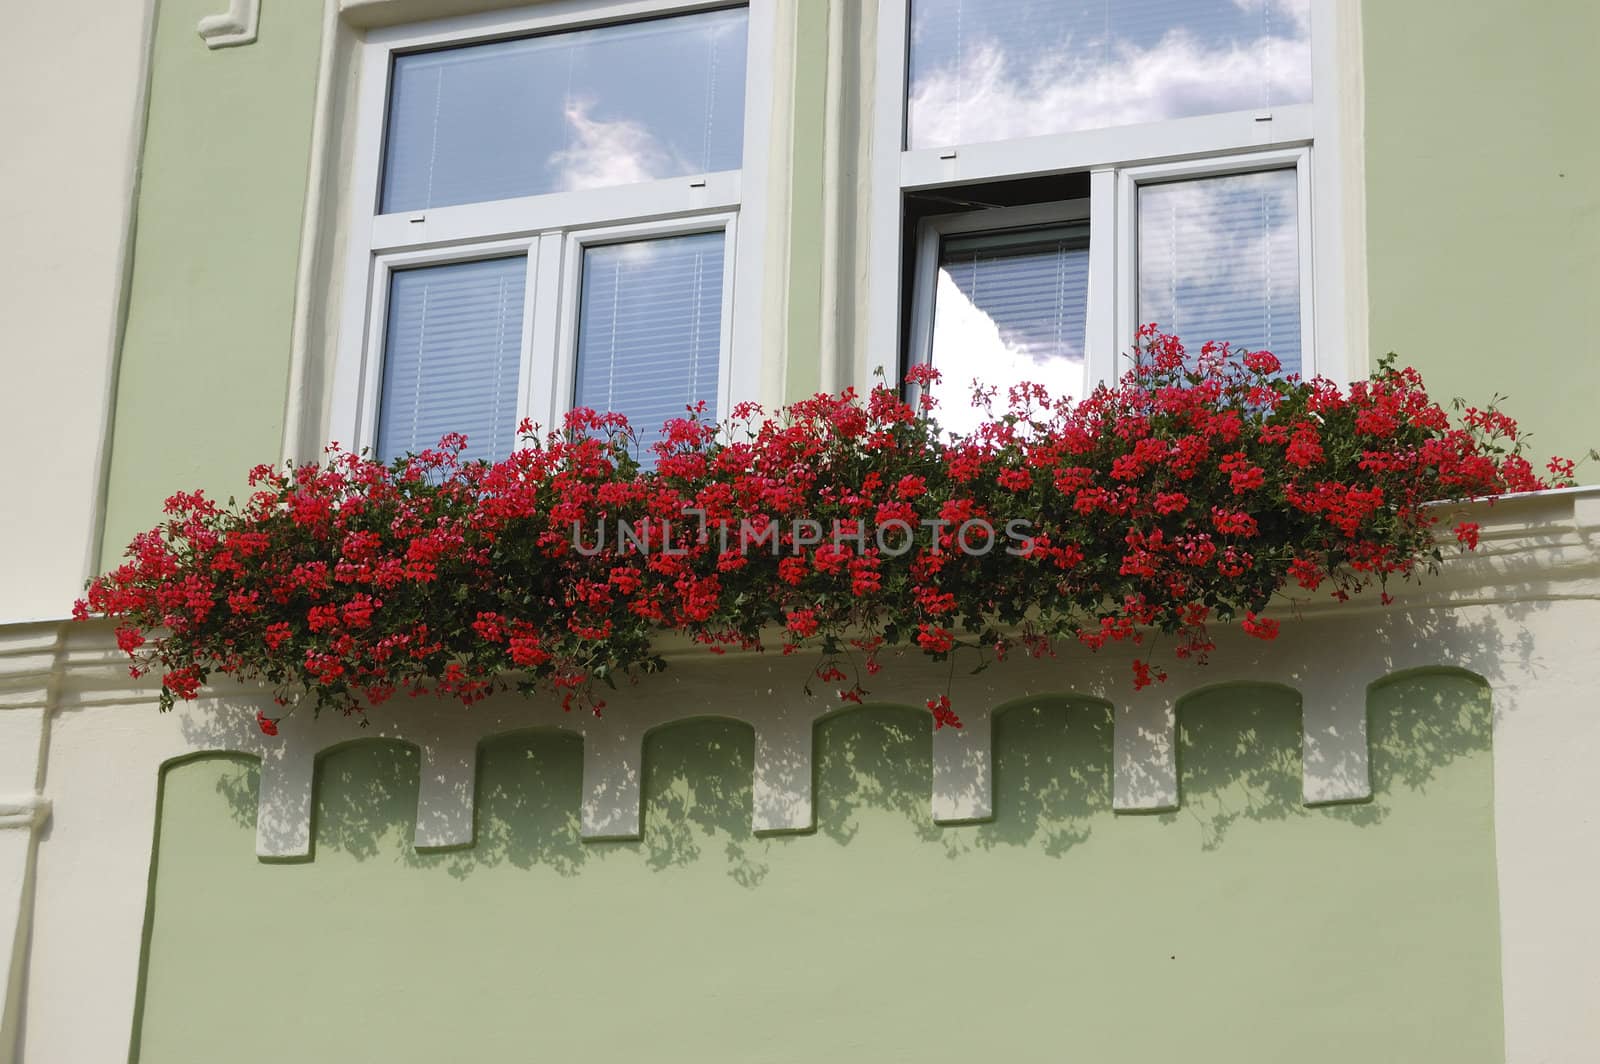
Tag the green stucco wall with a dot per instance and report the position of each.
(205, 354)
(1242, 928)
(1483, 204)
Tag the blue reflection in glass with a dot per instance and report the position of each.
(611, 105)
(987, 70)
(1219, 259)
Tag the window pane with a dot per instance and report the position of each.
(452, 354)
(984, 70)
(1009, 308)
(650, 330)
(610, 105)
(1219, 259)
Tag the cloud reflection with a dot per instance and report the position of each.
(991, 88)
(1219, 260)
(969, 344)
(601, 153)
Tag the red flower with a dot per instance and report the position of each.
(1194, 487)
(1170, 502)
(1144, 675)
(1306, 573)
(911, 486)
(934, 640)
(183, 682)
(268, 725)
(943, 717)
(1260, 627)
(802, 623)
(1262, 362)
(1015, 479)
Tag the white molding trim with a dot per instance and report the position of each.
(235, 26)
(28, 811)
(23, 811)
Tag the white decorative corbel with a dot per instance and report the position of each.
(1145, 762)
(235, 26)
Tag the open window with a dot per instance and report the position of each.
(1001, 298)
(1218, 251)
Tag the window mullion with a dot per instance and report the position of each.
(1101, 340)
(542, 395)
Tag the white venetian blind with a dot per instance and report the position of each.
(988, 70)
(650, 330)
(608, 105)
(1219, 259)
(1009, 307)
(452, 356)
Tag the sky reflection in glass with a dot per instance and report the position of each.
(611, 105)
(1009, 307)
(988, 70)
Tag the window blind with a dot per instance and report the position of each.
(650, 330)
(986, 70)
(452, 357)
(1219, 259)
(609, 105)
(1009, 307)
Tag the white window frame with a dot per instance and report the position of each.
(552, 229)
(1117, 159)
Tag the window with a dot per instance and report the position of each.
(1167, 154)
(1219, 257)
(1002, 298)
(986, 70)
(650, 327)
(548, 211)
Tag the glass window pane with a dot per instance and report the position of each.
(985, 70)
(1219, 259)
(452, 355)
(610, 105)
(1008, 308)
(650, 330)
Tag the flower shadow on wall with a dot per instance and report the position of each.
(1239, 758)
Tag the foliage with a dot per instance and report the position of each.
(1188, 494)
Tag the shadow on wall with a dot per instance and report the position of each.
(1239, 760)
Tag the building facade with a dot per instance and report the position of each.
(239, 233)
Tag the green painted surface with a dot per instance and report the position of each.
(1483, 205)
(205, 354)
(803, 360)
(1242, 928)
